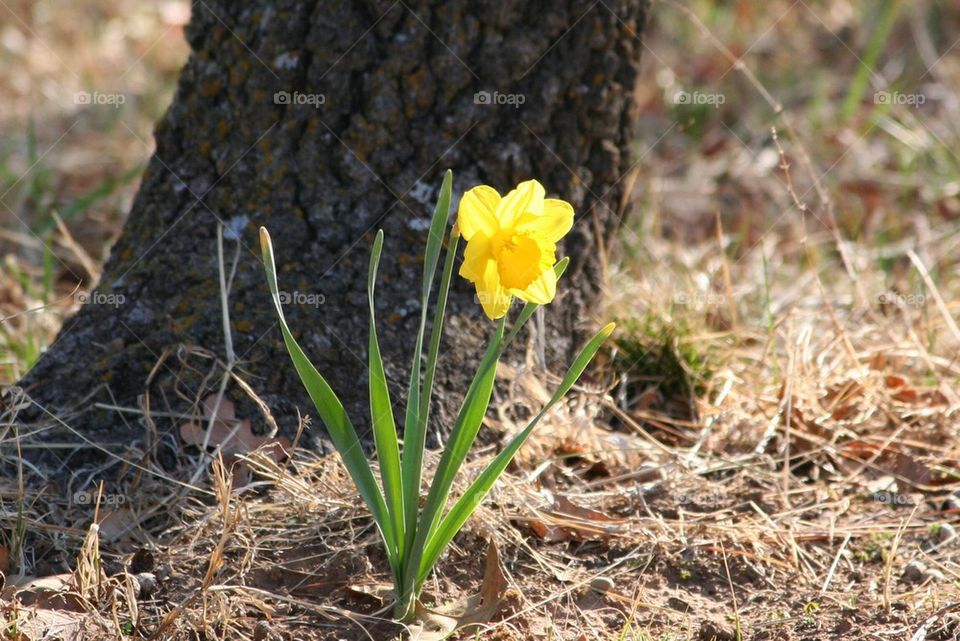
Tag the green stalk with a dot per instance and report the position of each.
(381, 418)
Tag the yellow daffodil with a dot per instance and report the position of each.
(512, 244)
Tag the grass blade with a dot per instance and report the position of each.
(381, 414)
(879, 38)
(333, 415)
(467, 503)
(414, 428)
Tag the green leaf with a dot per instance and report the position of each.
(381, 414)
(464, 432)
(467, 503)
(437, 330)
(334, 416)
(414, 428)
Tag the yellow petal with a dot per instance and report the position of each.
(493, 297)
(527, 198)
(477, 212)
(552, 225)
(475, 258)
(540, 291)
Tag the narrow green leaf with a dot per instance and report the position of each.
(437, 330)
(381, 413)
(334, 416)
(414, 430)
(467, 503)
(438, 223)
(464, 432)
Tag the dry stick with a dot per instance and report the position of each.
(893, 553)
(836, 562)
(733, 593)
(725, 267)
(79, 252)
(228, 348)
(941, 306)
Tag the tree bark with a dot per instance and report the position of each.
(383, 97)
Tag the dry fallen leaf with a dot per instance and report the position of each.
(233, 437)
(566, 521)
(921, 474)
(441, 623)
(36, 608)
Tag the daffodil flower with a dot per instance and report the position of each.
(512, 244)
(511, 250)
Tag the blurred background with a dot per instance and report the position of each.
(862, 95)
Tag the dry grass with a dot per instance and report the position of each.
(64, 155)
(772, 450)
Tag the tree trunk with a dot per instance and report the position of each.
(324, 121)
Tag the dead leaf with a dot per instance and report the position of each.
(566, 521)
(908, 395)
(233, 437)
(922, 474)
(894, 381)
(39, 624)
(378, 592)
(48, 608)
(443, 622)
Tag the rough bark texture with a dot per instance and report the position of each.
(399, 82)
